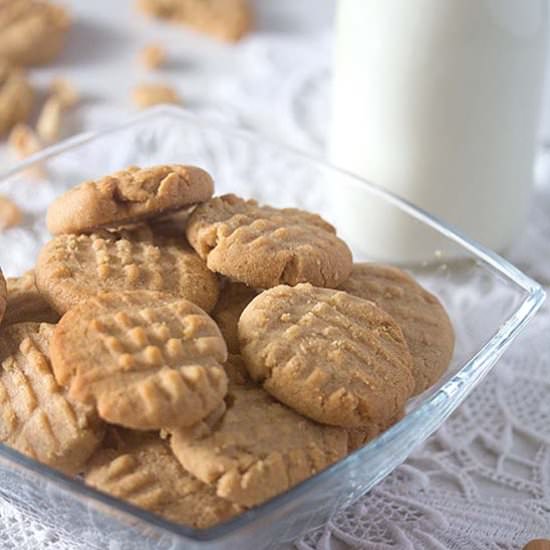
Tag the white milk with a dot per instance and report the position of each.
(438, 101)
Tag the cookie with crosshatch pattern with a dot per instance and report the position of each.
(128, 196)
(329, 355)
(143, 471)
(259, 447)
(147, 360)
(262, 246)
(37, 416)
(423, 320)
(72, 268)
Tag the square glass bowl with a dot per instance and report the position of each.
(488, 300)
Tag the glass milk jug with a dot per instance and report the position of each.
(438, 101)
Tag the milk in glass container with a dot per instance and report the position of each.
(438, 101)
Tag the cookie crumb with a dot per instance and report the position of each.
(147, 95)
(152, 56)
(10, 214)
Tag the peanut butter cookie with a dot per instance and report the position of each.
(146, 360)
(331, 356)
(262, 246)
(226, 20)
(423, 320)
(145, 473)
(3, 295)
(128, 196)
(16, 97)
(38, 418)
(233, 299)
(72, 268)
(32, 32)
(259, 448)
(25, 303)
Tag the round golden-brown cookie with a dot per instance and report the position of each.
(262, 246)
(226, 20)
(72, 268)
(32, 32)
(25, 303)
(129, 196)
(423, 320)
(3, 295)
(144, 472)
(259, 448)
(16, 97)
(234, 297)
(331, 356)
(38, 418)
(146, 360)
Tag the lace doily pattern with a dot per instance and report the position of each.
(482, 481)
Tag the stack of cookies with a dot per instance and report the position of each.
(197, 356)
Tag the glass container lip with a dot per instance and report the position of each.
(475, 368)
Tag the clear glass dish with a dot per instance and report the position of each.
(488, 300)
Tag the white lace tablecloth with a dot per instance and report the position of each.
(483, 480)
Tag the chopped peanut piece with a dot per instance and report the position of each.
(66, 93)
(23, 141)
(48, 126)
(227, 20)
(146, 95)
(152, 56)
(10, 214)
(16, 95)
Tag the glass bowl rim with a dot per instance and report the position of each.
(477, 365)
